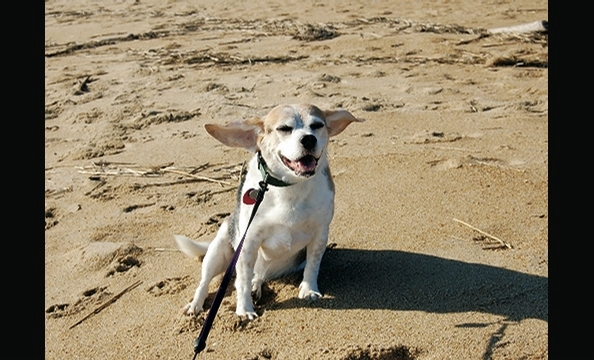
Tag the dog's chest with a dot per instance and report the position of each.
(290, 218)
(301, 204)
(280, 241)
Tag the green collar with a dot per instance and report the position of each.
(268, 178)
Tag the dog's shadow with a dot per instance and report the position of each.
(396, 280)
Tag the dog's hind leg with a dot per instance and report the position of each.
(260, 275)
(215, 262)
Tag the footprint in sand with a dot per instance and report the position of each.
(398, 352)
(87, 299)
(111, 257)
(169, 286)
(50, 218)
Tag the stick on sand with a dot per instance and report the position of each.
(220, 182)
(503, 243)
(107, 303)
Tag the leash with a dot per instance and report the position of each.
(248, 197)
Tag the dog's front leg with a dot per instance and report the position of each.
(308, 289)
(243, 280)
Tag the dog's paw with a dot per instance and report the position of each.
(251, 315)
(307, 293)
(191, 310)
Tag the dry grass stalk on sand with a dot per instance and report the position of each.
(157, 171)
(106, 304)
(196, 176)
(502, 243)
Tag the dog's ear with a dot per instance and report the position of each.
(338, 120)
(243, 134)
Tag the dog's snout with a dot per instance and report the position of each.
(308, 142)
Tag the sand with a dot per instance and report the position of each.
(456, 129)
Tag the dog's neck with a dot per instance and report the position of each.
(267, 176)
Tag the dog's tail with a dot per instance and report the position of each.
(190, 247)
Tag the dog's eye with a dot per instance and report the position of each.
(284, 128)
(317, 125)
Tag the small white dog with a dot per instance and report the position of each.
(294, 217)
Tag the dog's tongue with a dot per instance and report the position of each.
(305, 165)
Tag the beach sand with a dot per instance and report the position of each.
(441, 216)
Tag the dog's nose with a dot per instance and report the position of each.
(308, 142)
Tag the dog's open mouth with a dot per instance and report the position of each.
(305, 166)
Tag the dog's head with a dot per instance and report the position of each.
(291, 138)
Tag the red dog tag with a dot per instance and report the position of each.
(249, 198)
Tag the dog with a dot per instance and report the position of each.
(290, 145)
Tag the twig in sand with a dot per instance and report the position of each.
(503, 243)
(82, 86)
(199, 168)
(480, 37)
(222, 190)
(106, 169)
(171, 183)
(210, 193)
(220, 182)
(131, 208)
(107, 303)
(101, 183)
(166, 249)
(450, 148)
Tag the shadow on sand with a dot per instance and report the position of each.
(396, 280)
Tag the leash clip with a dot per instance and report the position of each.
(263, 185)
